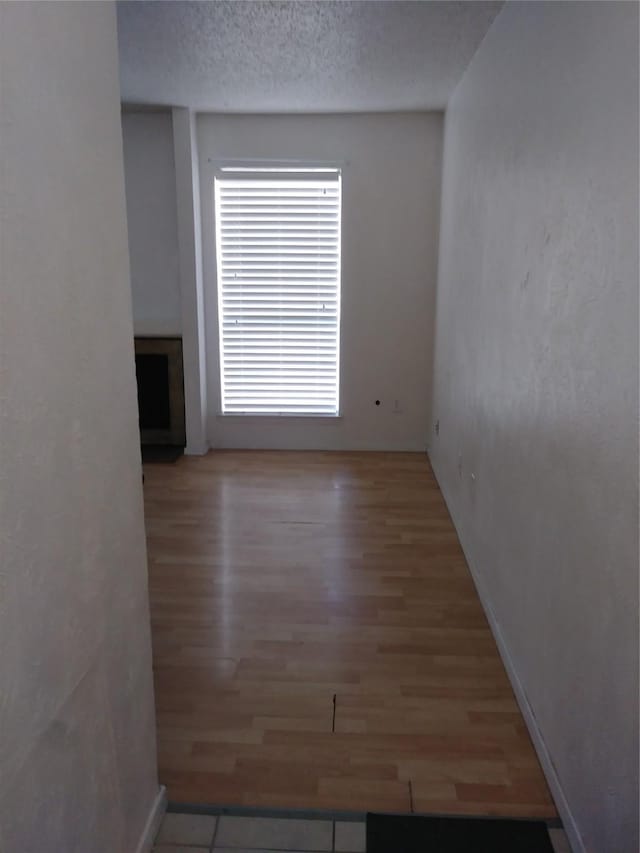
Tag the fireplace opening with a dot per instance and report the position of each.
(152, 373)
(160, 378)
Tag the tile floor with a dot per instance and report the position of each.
(196, 833)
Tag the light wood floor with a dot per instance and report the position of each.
(279, 581)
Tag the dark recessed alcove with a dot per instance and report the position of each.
(152, 374)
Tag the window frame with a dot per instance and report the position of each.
(226, 169)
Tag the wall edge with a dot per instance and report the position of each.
(151, 827)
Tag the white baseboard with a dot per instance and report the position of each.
(196, 449)
(546, 761)
(152, 825)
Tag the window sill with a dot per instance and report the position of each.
(287, 415)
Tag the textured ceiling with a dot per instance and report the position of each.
(302, 56)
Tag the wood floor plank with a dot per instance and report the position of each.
(279, 580)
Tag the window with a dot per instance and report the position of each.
(278, 256)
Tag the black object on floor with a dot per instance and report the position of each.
(417, 834)
(152, 453)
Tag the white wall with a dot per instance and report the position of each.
(391, 190)
(151, 214)
(536, 383)
(77, 751)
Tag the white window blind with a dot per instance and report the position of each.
(278, 257)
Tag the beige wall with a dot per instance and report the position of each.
(536, 384)
(390, 211)
(77, 749)
(150, 180)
